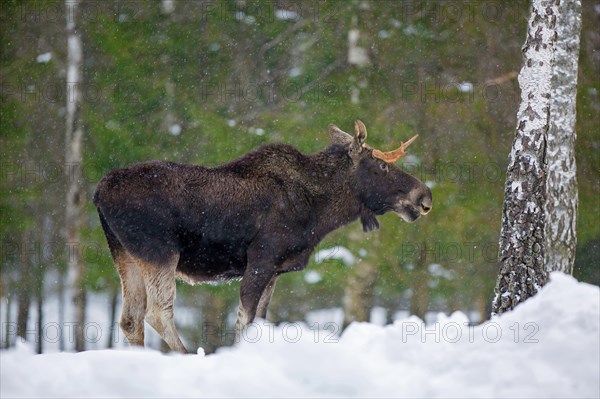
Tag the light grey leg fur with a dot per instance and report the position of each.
(134, 299)
(265, 298)
(160, 290)
(242, 321)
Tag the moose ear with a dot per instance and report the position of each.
(360, 137)
(360, 133)
(337, 136)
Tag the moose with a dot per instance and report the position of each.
(254, 218)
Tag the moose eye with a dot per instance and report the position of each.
(383, 166)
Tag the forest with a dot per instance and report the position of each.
(204, 82)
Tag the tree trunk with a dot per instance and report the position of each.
(114, 298)
(358, 294)
(215, 310)
(522, 242)
(561, 184)
(73, 168)
(419, 302)
(169, 122)
(61, 308)
(358, 56)
(40, 313)
(24, 287)
(8, 326)
(483, 306)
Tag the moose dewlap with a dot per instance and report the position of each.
(254, 218)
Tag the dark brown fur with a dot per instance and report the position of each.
(256, 218)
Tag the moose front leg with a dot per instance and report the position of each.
(265, 298)
(254, 284)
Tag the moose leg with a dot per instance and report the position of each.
(134, 298)
(265, 298)
(254, 283)
(160, 289)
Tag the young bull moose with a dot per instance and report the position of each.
(256, 218)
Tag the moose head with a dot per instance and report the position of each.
(381, 186)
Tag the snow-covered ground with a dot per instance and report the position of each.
(548, 347)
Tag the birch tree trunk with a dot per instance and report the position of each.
(73, 168)
(521, 256)
(214, 311)
(358, 294)
(419, 301)
(358, 56)
(561, 184)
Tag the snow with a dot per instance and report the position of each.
(286, 15)
(248, 19)
(378, 316)
(295, 72)
(383, 34)
(175, 129)
(516, 186)
(531, 207)
(167, 6)
(312, 277)
(410, 30)
(337, 252)
(256, 130)
(44, 58)
(547, 347)
(437, 270)
(411, 160)
(73, 71)
(465, 87)
(356, 55)
(324, 317)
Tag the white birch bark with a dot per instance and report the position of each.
(359, 292)
(73, 168)
(521, 255)
(167, 6)
(561, 184)
(357, 56)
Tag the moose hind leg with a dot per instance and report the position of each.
(134, 298)
(160, 290)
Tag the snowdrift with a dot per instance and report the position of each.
(548, 347)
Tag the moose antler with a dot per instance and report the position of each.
(393, 156)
